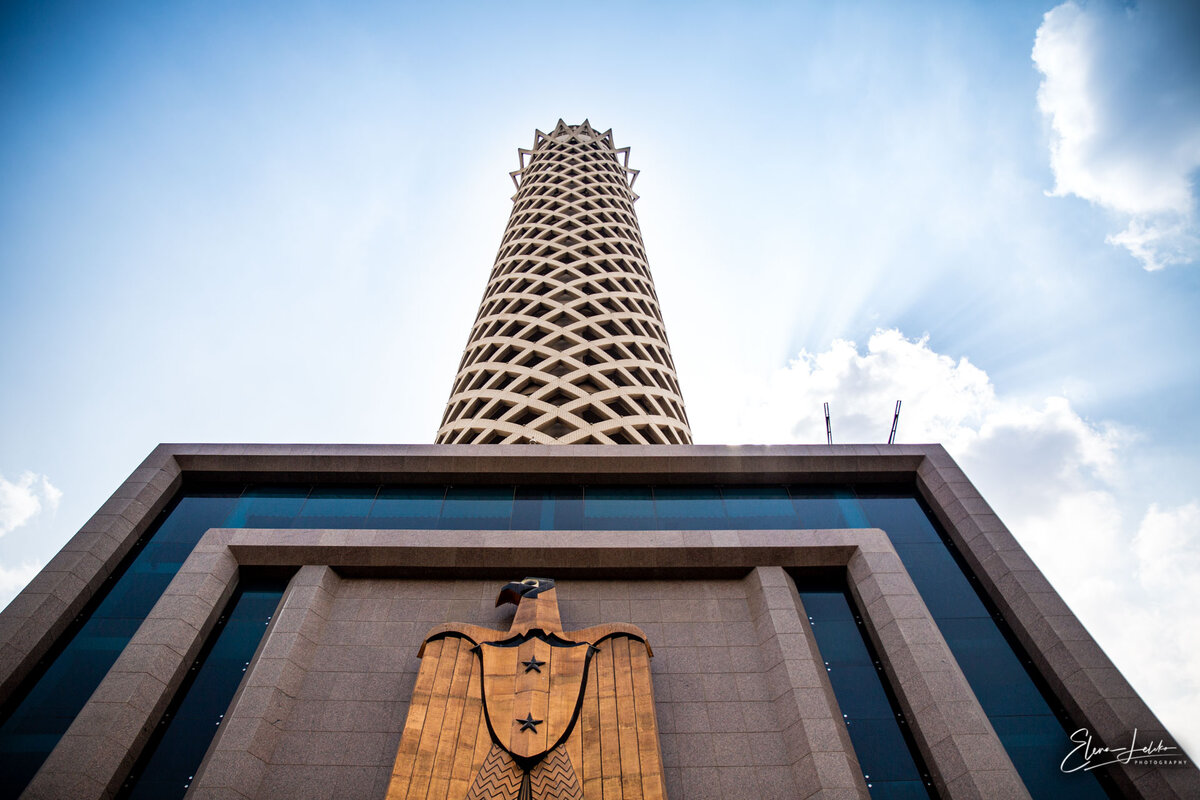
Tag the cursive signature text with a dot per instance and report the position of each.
(1088, 755)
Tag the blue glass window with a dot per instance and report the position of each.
(477, 508)
(946, 591)
(889, 759)
(827, 508)
(902, 517)
(759, 507)
(997, 677)
(412, 507)
(610, 508)
(268, 507)
(547, 509)
(1035, 743)
(169, 761)
(681, 508)
(337, 508)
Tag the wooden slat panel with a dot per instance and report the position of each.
(456, 703)
(431, 731)
(483, 744)
(610, 746)
(499, 677)
(631, 778)
(470, 749)
(589, 724)
(565, 664)
(653, 780)
(574, 748)
(418, 708)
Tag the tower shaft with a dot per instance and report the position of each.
(569, 344)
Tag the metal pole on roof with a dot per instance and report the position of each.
(895, 422)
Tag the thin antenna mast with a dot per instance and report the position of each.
(895, 422)
(828, 429)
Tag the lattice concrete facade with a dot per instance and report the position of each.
(569, 345)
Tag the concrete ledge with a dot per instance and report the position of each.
(236, 761)
(818, 744)
(594, 553)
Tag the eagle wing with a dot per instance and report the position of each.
(445, 738)
(615, 745)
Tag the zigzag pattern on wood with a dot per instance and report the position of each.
(498, 779)
(554, 778)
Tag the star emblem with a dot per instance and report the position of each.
(529, 723)
(533, 665)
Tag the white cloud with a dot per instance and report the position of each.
(13, 580)
(1167, 546)
(24, 500)
(1121, 92)
(943, 399)
(1162, 632)
(1052, 475)
(1160, 242)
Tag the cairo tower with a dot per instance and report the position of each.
(563, 597)
(569, 344)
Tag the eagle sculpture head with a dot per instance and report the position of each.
(530, 587)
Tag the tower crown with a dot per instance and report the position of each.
(583, 133)
(569, 345)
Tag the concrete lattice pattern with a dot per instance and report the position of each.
(569, 345)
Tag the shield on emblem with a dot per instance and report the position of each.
(532, 686)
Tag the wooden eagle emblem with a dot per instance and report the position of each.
(531, 713)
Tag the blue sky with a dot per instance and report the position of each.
(273, 222)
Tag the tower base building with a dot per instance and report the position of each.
(845, 621)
